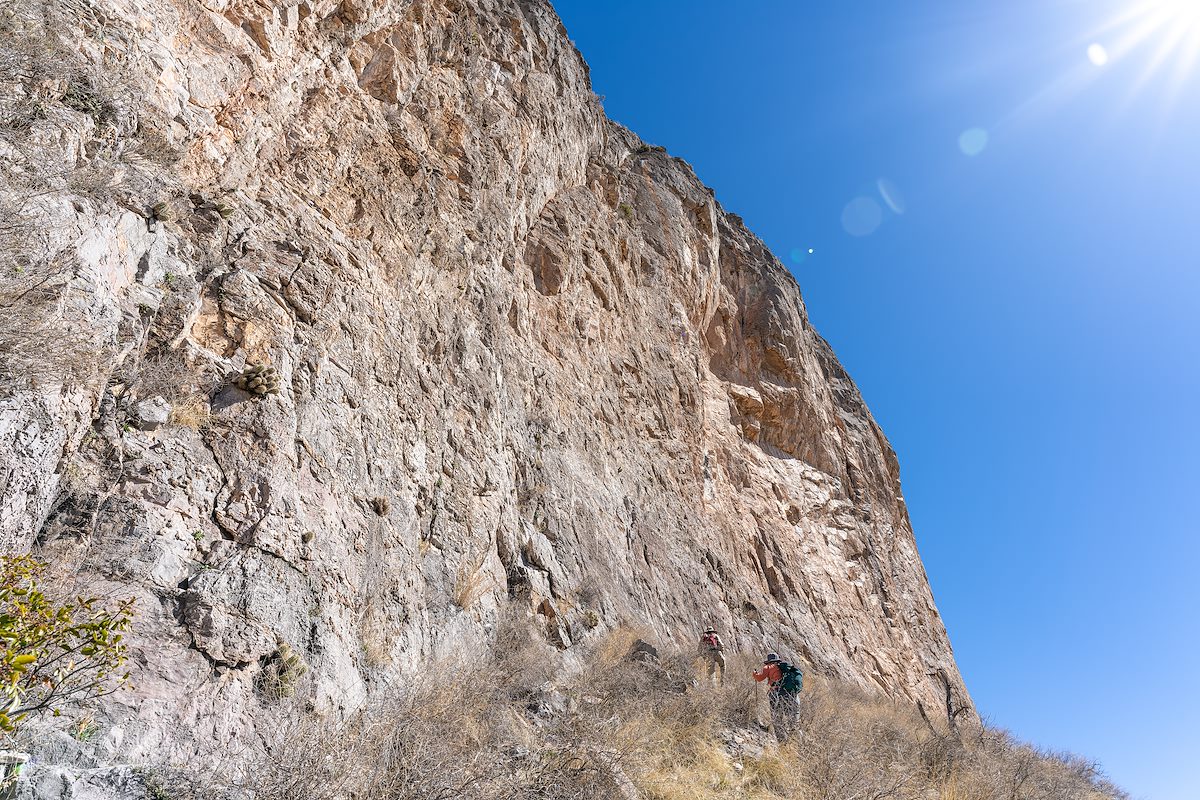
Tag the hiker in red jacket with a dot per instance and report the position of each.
(770, 672)
(712, 651)
(785, 681)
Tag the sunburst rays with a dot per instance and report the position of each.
(1165, 33)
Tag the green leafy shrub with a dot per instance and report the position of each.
(54, 654)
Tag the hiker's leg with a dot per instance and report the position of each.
(773, 699)
(786, 718)
(719, 664)
(791, 710)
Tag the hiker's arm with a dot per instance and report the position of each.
(760, 675)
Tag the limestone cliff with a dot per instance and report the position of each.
(520, 354)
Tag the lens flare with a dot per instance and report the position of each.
(973, 141)
(1098, 55)
(1168, 31)
(861, 216)
(891, 195)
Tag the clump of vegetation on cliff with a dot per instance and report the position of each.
(518, 728)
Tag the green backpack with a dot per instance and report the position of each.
(792, 680)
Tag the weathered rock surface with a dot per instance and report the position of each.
(520, 354)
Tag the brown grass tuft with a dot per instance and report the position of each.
(192, 412)
(472, 583)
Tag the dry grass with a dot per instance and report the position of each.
(472, 583)
(515, 728)
(192, 412)
(186, 386)
(38, 342)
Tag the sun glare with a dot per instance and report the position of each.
(1168, 29)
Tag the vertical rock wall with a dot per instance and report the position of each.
(521, 355)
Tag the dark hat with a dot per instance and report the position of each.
(772, 658)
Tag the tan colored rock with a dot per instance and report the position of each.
(575, 378)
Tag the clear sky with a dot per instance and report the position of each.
(1018, 300)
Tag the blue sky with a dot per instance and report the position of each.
(1025, 331)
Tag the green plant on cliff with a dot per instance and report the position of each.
(54, 653)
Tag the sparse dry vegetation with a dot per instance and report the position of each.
(471, 583)
(37, 342)
(187, 387)
(192, 411)
(66, 139)
(514, 728)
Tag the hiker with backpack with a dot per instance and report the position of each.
(712, 651)
(785, 681)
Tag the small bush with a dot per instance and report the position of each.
(471, 583)
(85, 729)
(54, 654)
(81, 96)
(282, 673)
(186, 387)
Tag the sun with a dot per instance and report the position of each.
(1167, 31)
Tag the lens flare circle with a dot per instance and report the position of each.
(1097, 54)
(861, 216)
(973, 141)
(798, 255)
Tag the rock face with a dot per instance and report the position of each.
(519, 354)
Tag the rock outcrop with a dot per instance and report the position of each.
(514, 353)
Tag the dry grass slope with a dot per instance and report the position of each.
(516, 728)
